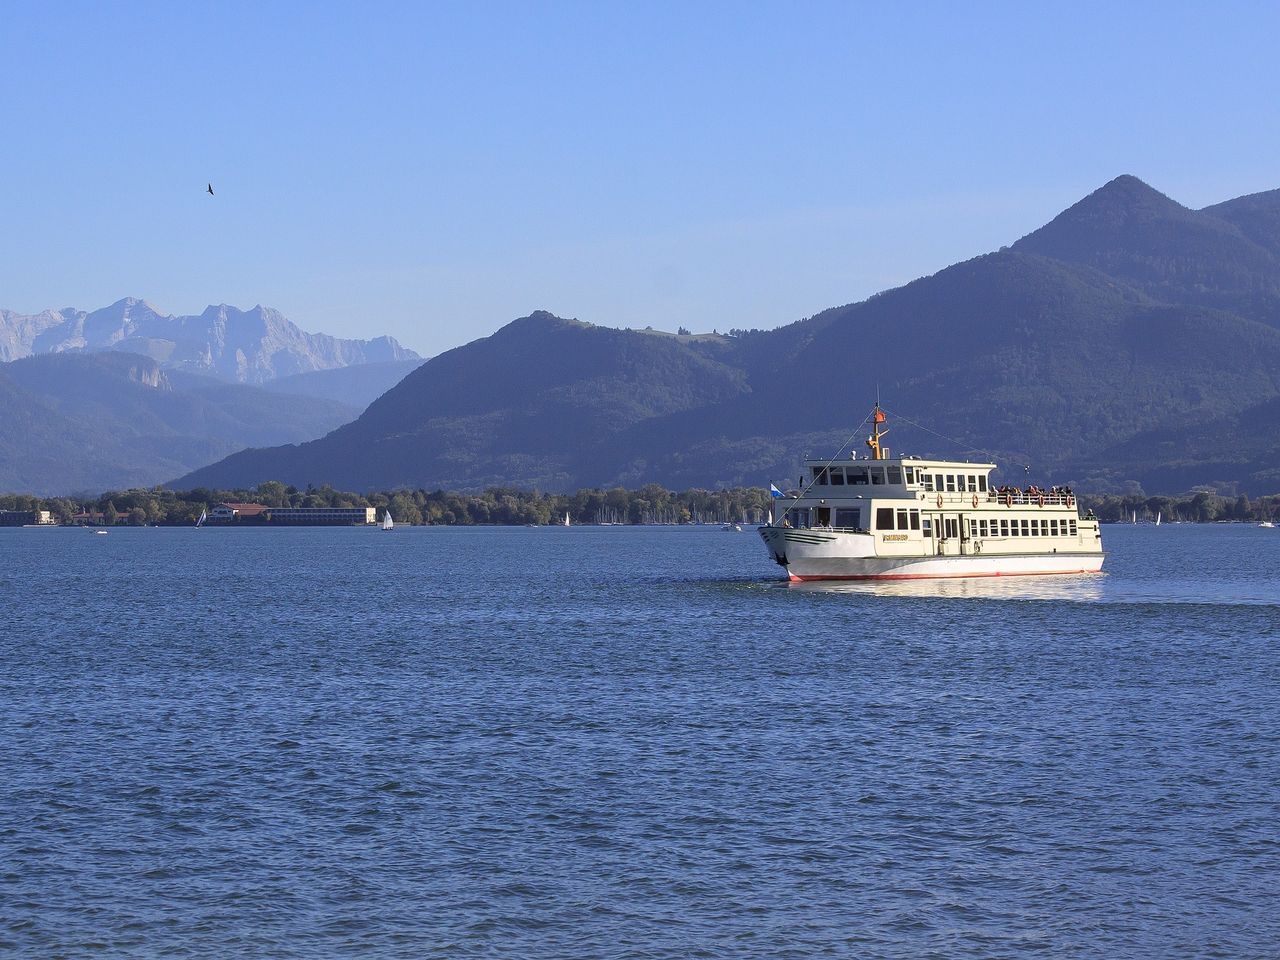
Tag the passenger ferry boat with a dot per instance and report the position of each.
(886, 518)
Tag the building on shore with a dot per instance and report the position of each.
(225, 514)
(238, 512)
(323, 516)
(26, 518)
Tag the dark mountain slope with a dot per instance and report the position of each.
(1136, 234)
(1046, 360)
(1257, 216)
(90, 421)
(1239, 447)
(1035, 360)
(529, 405)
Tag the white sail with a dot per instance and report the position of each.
(387, 522)
(1158, 519)
(1135, 516)
(204, 515)
(566, 518)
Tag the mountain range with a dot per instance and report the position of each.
(1079, 354)
(239, 346)
(1129, 341)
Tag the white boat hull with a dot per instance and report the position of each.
(904, 568)
(834, 557)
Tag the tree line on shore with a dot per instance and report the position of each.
(510, 506)
(494, 506)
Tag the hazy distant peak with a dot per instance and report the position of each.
(246, 346)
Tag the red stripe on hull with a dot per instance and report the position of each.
(933, 576)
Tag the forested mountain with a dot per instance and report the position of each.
(76, 422)
(1098, 350)
(1225, 256)
(241, 346)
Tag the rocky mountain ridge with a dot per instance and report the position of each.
(239, 346)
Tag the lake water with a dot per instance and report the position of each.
(609, 742)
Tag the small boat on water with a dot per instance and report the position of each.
(906, 518)
(204, 515)
(101, 533)
(566, 518)
(1268, 524)
(387, 522)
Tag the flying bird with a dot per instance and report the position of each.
(211, 189)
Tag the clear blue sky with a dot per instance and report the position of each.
(435, 170)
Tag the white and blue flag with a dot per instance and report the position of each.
(775, 492)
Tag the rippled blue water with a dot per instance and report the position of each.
(630, 743)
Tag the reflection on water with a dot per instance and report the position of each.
(1085, 588)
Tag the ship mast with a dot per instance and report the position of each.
(873, 442)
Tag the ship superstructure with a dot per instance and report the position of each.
(882, 517)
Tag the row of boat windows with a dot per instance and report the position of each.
(878, 476)
(1022, 528)
(860, 476)
(890, 518)
(954, 482)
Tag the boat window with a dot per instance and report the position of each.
(837, 476)
(928, 527)
(877, 475)
(1073, 527)
(1013, 528)
(820, 476)
(1053, 528)
(895, 475)
(951, 483)
(982, 483)
(1025, 528)
(910, 474)
(847, 517)
(884, 518)
(927, 480)
(915, 519)
(857, 476)
(982, 528)
(902, 520)
(973, 483)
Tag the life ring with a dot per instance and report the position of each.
(1042, 499)
(1008, 499)
(939, 500)
(1071, 501)
(975, 501)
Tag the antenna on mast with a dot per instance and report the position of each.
(873, 442)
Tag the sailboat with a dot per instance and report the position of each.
(566, 518)
(1157, 518)
(204, 515)
(387, 522)
(1135, 516)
